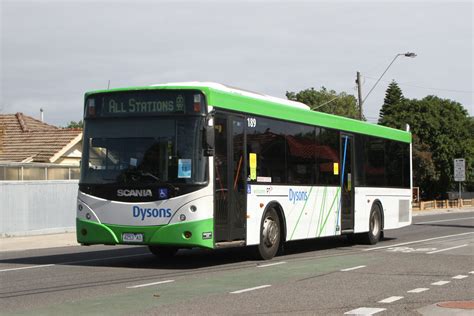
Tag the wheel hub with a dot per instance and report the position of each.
(270, 232)
(375, 224)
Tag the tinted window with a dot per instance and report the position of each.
(381, 162)
(266, 140)
(327, 154)
(301, 153)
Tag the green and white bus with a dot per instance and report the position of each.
(197, 164)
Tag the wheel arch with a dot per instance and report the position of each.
(279, 210)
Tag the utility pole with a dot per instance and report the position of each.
(359, 94)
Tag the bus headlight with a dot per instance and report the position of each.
(193, 208)
(182, 217)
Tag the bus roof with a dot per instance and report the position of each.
(226, 97)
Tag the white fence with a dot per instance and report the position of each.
(37, 207)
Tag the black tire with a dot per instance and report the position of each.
(163, 252)
(270, 235)
(375, 226)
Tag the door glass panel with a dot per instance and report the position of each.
(220, 171)
(238, 190)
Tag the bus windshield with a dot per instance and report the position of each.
(144, 150)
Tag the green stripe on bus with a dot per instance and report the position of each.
(242, 103)
(329, 212)
(301, 213)
(321, 211)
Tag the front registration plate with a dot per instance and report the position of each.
(132, 237)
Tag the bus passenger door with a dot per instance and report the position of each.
(347, 182)
(230, 185)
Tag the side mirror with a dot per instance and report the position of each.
(208, 136)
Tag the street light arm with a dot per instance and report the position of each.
(386, 69)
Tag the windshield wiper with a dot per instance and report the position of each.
(148, 174)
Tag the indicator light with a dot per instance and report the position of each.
(187, 234)
(197, 103)
(193, 208)
(91, 107)
(182, 217)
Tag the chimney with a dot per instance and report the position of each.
(41, 115)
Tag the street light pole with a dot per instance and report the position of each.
(359, 89)
(359, 94)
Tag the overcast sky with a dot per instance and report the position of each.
(52, 52)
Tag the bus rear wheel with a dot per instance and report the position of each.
(163, 252)
(270, 235)
(375, 226)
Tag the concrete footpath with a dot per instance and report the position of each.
(69, 239)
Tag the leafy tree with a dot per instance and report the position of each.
(442, 131)
(327, 101)
(74, 124)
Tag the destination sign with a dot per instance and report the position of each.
(140, 105)
(145, 102)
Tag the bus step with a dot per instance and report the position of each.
(229, 244)
(347, 231)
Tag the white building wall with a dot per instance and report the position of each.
(37, 207)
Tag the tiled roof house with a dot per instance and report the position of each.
(25, 139)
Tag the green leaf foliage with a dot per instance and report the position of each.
(442, 132)
(74, 124)
(327, 101)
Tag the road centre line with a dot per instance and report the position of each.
(391, 299)
(29, 267)
(460, 276)
(472, 272)
(73, 262)
(250, 289)
(418, 290)
(365, 311)
(446, 249)
(417, 241)
(149, 284)
(353, 268)
(271, 264)
(444, 220)
(440, 283)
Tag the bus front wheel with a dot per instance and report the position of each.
(163, 252)
(270, 235)
(375, 226)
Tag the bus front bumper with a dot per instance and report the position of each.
(201, 234)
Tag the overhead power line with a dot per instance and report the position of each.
(428, 88)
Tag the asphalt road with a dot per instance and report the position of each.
(428, 262)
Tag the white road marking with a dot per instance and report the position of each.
(472, 272)
(391, 299)
(353, 268)
(446, 249)
(417, 241)
(445, 220)
(29, 267)
(365, 311)
(418, 290)
(270, 264)
(149, 284)
(250, 289)
(409, 250)
(440, 283)
(460, 276)
(73, 262)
